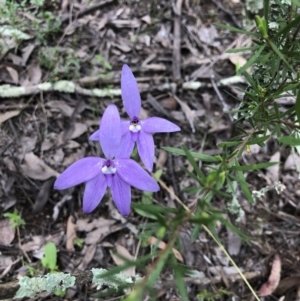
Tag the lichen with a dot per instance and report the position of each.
(30, 287)
(64, 86)
(113, 282)
(9, 91)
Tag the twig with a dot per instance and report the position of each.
(177, 41)
(228, 12)
(8, 91)
(89, 10)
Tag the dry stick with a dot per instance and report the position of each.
(8, 91)
(177, 40)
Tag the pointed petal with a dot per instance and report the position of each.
(130, 93)
(93, 193)
(133, 174)
(121, 194)
(159, 125)
(145, 146)
(110, 131)
(126, 147)
(95, 136)
(125, 126)
(81, 171)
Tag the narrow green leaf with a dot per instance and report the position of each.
(181, 286)
(258, 140)
(202, 157)
(277, 51)
(244, 49)
(194, 164)
(252, 60)
(288, 140)
(285, 30)
(234, 29)
(266, 11)
(229, 143)
(253, 166)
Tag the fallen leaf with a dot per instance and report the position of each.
(234, 242)
(8, 115)
(238, 60)
(13, 74)
(273, 171)
(189, 114)
(5, 261)
(7, 232)
(147, 19)
(98, 234)
(71, 234)
(43, 195)
(209, 35)
(59, 105)
(162, 245)
(34, 74)
(292, 161)
(87, 226)
(123, 252)
(269, 287)
(37, 169)
(89, 252)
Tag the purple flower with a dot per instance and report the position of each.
(99, 173)
(136, 129)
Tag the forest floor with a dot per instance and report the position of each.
(166, 44)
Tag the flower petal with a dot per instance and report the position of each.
(130, 93)
(145, 146)
(110, 131)
(95, 136)
(93, 193)
(133, 174)
(158, 125)
(125, 126)
(126, 147)
(121, 194)
(81, 171)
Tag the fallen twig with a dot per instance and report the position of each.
(8, 91)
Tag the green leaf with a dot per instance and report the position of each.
(258, 140)
(252, 60)
(229, 143)
(234, 29)
(277, 51)
(253, 166)
(244, 49)
(202, 157)
(285, 30)
(288, 140)
(50, 256)
(180, 284)
(194, 164)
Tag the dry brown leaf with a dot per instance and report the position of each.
(59, 105)
(273, 171)
(89, 252)
(147, 19)
(5, 261)
(162, 245)
(13, 74)
(189, 114)
(123, 252)
(37, 169)
(35, 244)
(71, 234)
(292, 161)
(162, 159)
(238, 60)
(99, 233)
(269, 287)
(7, 232)
(87, 226)
(8, 115)
(34, 74)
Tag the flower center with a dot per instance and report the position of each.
(108, 167)
(134, 125)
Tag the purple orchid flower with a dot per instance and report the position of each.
(99, 173)
(136, 129)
